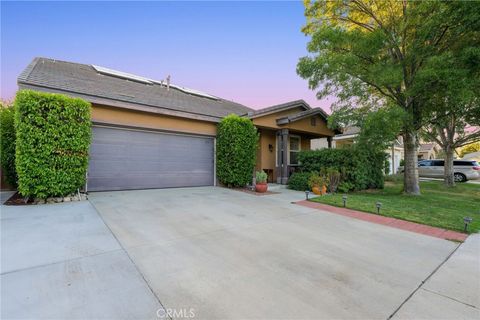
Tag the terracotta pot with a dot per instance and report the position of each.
(316, 190)
(324, 189)
(261, 187)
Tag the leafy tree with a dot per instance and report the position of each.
(369, 54)
(7, 143)
(452, 93)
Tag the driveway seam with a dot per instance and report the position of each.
(424, 281)
(130, 258)
(58, 262)
(442, 295)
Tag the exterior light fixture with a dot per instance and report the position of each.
(344, 198)
(378, 205)
(270, 147)
(306, 194)
(467, 221)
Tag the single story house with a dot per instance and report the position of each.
(428, 151)
(153, 134)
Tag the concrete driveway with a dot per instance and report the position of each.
(230, 255)
(214, 253)
(60, 261)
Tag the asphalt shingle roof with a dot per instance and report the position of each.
(83, 79)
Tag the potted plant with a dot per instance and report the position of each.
(315, 183)
(261, 181)
(318, 183)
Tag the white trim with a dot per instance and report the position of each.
(288, 147)
(344, 137)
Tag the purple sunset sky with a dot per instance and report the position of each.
(242, 51)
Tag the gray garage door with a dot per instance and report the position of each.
(123, 159)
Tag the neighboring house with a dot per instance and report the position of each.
(347, 138)
(472, 156)
(153, 134)
(428, 151)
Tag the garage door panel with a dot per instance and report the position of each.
(127, 159)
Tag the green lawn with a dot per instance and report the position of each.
(438, 206)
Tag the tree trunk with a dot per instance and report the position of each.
(410, 182)
(448, 167)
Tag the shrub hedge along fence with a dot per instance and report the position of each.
(53, 138)
(237, 140)
(360, 168)
(7, 144)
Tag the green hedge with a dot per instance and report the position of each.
(360, 168)
(299, 181)
(7, 144)
(53, 138)
(237, 140)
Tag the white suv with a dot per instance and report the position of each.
(463, 170)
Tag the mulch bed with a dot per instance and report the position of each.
(17, 200)
(254, 192)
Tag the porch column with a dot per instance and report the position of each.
(284, 158)
(329, 141)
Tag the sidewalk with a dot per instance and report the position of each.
(453, 291)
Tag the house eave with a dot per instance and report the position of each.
(121, 104)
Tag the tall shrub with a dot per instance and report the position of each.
(7, 144)
(237, 140)
(53, 138)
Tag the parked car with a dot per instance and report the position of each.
(463, 170)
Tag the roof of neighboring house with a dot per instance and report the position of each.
(472, 156)
(109, 87)
(424, 147)
(347, 133)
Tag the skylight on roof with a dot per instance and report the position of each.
(120, 74)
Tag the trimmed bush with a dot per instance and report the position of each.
(7, 144)
(299, 181)
(53, 138)
(237, 141)
(360, 169)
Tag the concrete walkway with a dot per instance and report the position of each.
(60, 261)
(453, 291)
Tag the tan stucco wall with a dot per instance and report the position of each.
(303, 125)
(270, 120)
(112, 115)
(268, 158)
(305, 143)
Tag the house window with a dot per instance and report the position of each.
(294, 149)
(313, 121)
